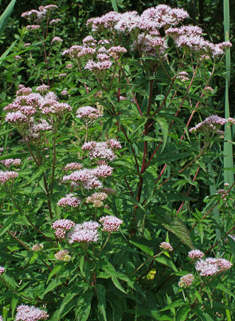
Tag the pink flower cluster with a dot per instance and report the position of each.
(38, 16)
(7, 175)
(110, 223)
(57, 39)
(103, 150)
(195, 254)
(27, 104)
(183, 76)
(61, 227)
(69, 200)
(37, 247)
(210, 125)
(186, 281)
(166, 246)
(72, 166)
(63, 256)
(88, 177)
(86, 232)
(87, 112)
(26, 313)
(11, 161)
(2, 270)
(96, 199)
(211, 266)
(1, 318)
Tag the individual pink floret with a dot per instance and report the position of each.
(27, 313)
(110, 223)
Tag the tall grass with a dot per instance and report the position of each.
(228, 149)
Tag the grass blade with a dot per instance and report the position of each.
(114, 4)
(228, 149)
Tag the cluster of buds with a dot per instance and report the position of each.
(103, 150)
(69, 200)
(166, 246)
(63, 255)
(37, 247)
(61, 227)
(110, 223)
(96, 199)
(72, 166)
(7, 175)
(11, 161)
(2, 270)
(27, 313)
(88, 112)
(186, 281)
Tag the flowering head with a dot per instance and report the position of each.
(110, 223)
(2, 270)
(61, 227)
(85, 233)
(37, 247)
(27, 313)
(166, 246)
(186, 281)
(195, 254)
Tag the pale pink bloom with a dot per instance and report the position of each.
(23, 91)
(69, 200)
(210, 124)
(96, 199)
(85, 232)
(186, 281)
(231, 121)
(87, 112)
(62, 75)
(226, 184)
(2, 270)
(42, 89)
(7, 175)
(57, 39)
(30, 14)
(99, 66)
(103, 171)
(102, 56)
(224, 265)
(63, 255)
(61, 227)
(54, 21)
(7, 162)
(208, 89)
(27, 313)
(86, 51)
(114, 144)
(69, 66)
(195, 254)
(88, 39)
(73, 166)
(28, 110)
(33, 27)
(211, 266)
(50, 7)
(37, 247)
(166, 246)
(27, 44)
(64, 92)
(99, 150)
(17, 57)
(110, 223)
(1, 318)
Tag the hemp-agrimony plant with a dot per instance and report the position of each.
(108, 201)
